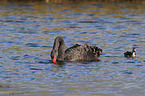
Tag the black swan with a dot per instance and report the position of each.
(74, 53)
(130, 54)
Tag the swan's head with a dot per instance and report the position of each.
(54, 55)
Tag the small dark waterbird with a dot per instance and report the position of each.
(74, 53)
(130, 54)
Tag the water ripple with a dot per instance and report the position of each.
(27, 33)
(32, 45)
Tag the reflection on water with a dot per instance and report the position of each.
(27, 33)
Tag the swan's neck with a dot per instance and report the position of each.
(60, 50)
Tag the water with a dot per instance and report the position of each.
(27, 33)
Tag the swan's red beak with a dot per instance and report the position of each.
(54, 59)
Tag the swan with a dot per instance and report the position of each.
(130, 54)
(74, 53)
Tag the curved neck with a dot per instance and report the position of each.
(59, 50)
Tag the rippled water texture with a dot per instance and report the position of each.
(27, 33)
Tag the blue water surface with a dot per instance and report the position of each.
(27, 33)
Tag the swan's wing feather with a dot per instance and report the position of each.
(73, 47)
(82, 52)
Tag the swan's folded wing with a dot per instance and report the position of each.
(81, 52)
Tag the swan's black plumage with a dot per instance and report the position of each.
(74, 53)
(58, 52)
(130, 54)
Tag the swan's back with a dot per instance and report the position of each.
(82, 53)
